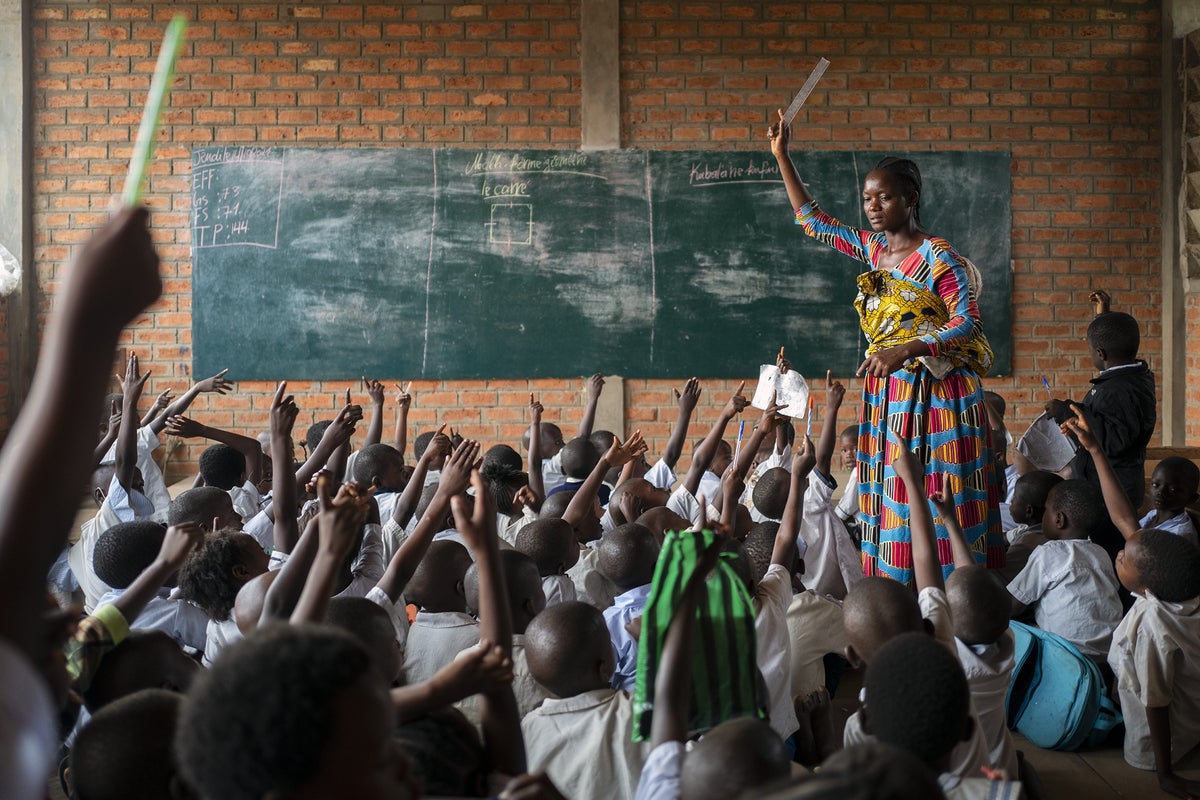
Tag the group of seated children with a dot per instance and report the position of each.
(575, 622)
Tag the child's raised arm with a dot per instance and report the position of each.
(703, 456)
(406, 505)
(835, 392)
(374, 390)
(335, 438)
(179, 542)
(803, 461)
(537, 482)
(595, 385)
(131, 390)
(160, 402)
(686, 400)
(338, 523)
(186, 428)
(215, 383)
(927, 567)
(1119, 508)
(944, 501)
(1101, 300)
(113, 277)
(110, 434)
(283, 470)
(499, 717)
(455, 477)
(403, 404)
(617, 456)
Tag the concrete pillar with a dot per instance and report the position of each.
(600, 72)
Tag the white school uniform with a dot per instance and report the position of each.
(989, 671)
(219, 636)
(816, 626)
(552, 473)
(118, 506)
(662, 772)
(847, 506)
(529, 693)
(685, 504)
(584, 744)
(710, 486)
(1155, 656)
(433, 641)
(247, 501)
(152, 477)
(558, 589)
(625, 608)
(185, 623)
(1075, 588)
(1180, 525)
(772, 596)
(661, 476)
(396, 613)
(832, 564)
(591, 585)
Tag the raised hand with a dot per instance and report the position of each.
(440, 444)
(1102, 301)
(690, 395)
(178, 543)
(403, 397)
(621, 454)
(283, 412)
(340, 517)
(804, 457)
(595, 385)
(374, 390)
(906, 465)
(480, 527)
(162, 401)
(216, 383)
(476, 671)
(456, 472)
(1078, 425)
(770, 416)
(114, 418)
(835, 392)
(780, 135)
(738, 402)
(115, 275)
(133, 381)
(535, 410)
(781, 363)
(183, 427)
(943, 500)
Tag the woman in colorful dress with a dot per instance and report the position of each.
(925, 354)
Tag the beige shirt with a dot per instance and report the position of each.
(816, 626)
(989, 671)
(584, 743)
(529, 693)
(591, 586)
(772, 597)
(1155, 655)
(434, 639)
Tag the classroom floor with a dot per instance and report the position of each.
(1099, 774)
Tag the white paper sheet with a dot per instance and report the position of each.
(1045, 445)
(791, 391)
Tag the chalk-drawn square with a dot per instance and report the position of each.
(511, 223)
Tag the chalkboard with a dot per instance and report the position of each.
(464, 263)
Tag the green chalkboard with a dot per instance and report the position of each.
(462, 263)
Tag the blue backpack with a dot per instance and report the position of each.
(1057, 698)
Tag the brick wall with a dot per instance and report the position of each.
(1071, 88)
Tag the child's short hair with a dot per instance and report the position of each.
(312, 437)
(1168, 565)
(771, 492)
(551, 436)
(850, 431)
(760, 546)
(374, 461)
(143, 660)
(438, 575)
(124, 752)
(222, 466)
(1081, 502)
(207, 577)
(734, 759)
(602, 440)
(627, 555)
(564, 644)
(1033, 488)
(917, 697)
(198, 506)
(445, 753)
(877, 610)
(371, 626)
(550, 543)
(872, 770)
(261, 718)
(660, 519)
(421, 443)
(979, 603)
(555, 505)
(1185, 468)
(1116, 333)
(123, 551)
(579, 458)
(522, 581)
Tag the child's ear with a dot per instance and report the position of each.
(460, 589)
(99, 496)
(852, 657)
(240, 572)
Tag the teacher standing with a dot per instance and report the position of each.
(925, 354)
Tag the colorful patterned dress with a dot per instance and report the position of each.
(935, 402)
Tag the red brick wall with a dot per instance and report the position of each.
(1071, 88)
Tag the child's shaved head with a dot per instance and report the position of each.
(552, 439)
(124, 752)
(125, 549)
(222, 466)
(550, 543)
(1117, 334)
(627, 555)
(1029, 496)
(526, 599)
(662, 519)
(734, 759)
(771, 492)
(579, 458)
(372, 627)
(980, 604)
(437, 585)
(1164, 563)
(568, 649)
(379, 465)
(1074, 509)
(201, 505)
(876, 611)
(760, 546)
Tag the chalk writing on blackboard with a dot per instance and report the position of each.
(236, 196)
(752, 170)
